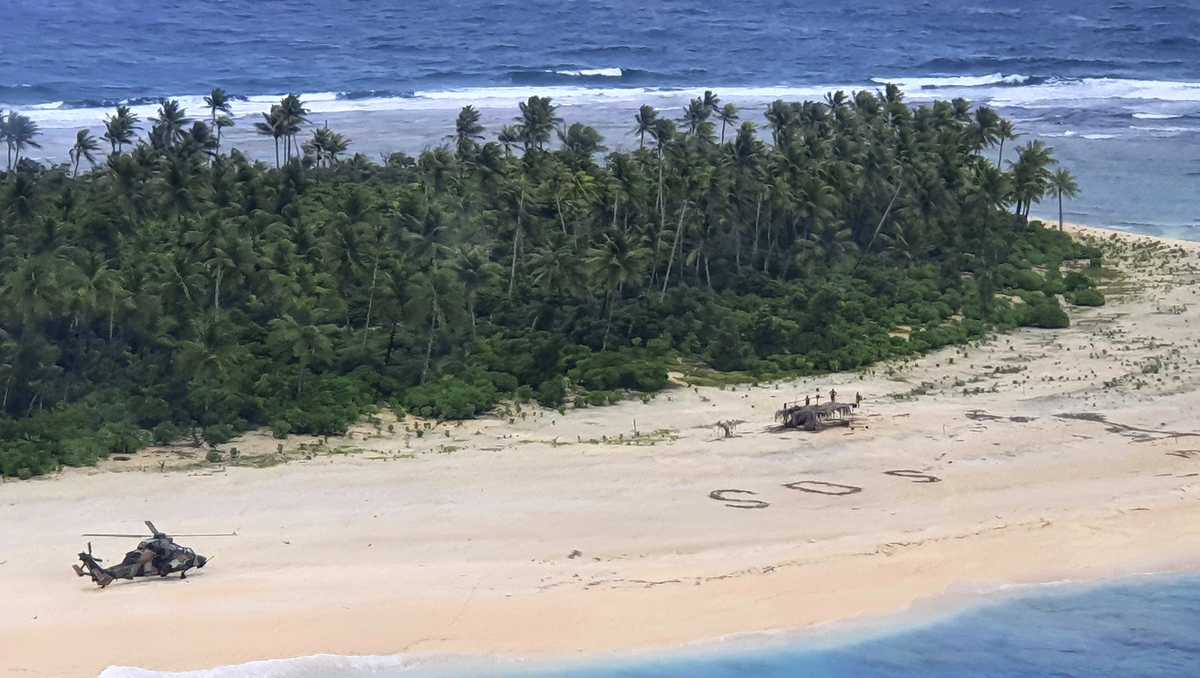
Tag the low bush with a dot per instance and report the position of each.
(1088, 297)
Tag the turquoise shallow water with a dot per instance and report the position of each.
(1146, 627)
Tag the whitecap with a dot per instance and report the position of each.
(1167, 129)
(1096, 137)
(1156, 116)
(594, 73)
(909, 83)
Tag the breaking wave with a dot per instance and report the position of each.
(1156, 116)
(911, 83)
(604, 87)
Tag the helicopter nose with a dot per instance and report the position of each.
(201, 561)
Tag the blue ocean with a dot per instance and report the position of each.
(1113, 86)
(1141, 627)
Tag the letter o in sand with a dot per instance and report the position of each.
(719, 495)
(821, 487)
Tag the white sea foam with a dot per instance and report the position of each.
(1156, 116)
(912, 84)
(1075, 93)
(594, 73)
(1097, 137)
(995, 89)
(1167, 131)
(297, 667)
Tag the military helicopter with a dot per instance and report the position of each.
(157, 556)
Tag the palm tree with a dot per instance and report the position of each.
(646, 118)
(781, 117)
(536, 122)
(1004, 132)
(1063, 184)
(18, 132)
(1031, 175)
(467, 132)
(301, 338)
(728, 116)
(199, 139)
(475, 272)
(983, 132)
(508, 137)
(272, 125)
(85, 147)
(695, 115)
(119, 128)
(218, 102)
(580, 142)
(168, 127)
(617, 262)
(293, 116)
(325, 146)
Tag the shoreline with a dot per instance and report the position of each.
(833, 635)
(493, 538)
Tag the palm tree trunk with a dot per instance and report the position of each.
(112, 311)
(757, 214)
(737, 247)
(1060, 218)
(371, 298)
(429, 344)
(217, 294)
(674, 246)
(611, 301)
(387, 358)
(561, 219)
(662, 222)
(512, 274)
(1000, 155)
(770, 246)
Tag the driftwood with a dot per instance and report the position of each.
(815, 417)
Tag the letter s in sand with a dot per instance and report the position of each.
(719, 495)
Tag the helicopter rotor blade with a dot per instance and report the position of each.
(96, 534)
(209, 534)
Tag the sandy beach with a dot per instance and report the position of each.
(1037, 456)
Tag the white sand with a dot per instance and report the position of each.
(462, 543)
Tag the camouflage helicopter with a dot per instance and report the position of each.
(157, 556)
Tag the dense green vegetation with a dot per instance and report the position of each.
(173, 290)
